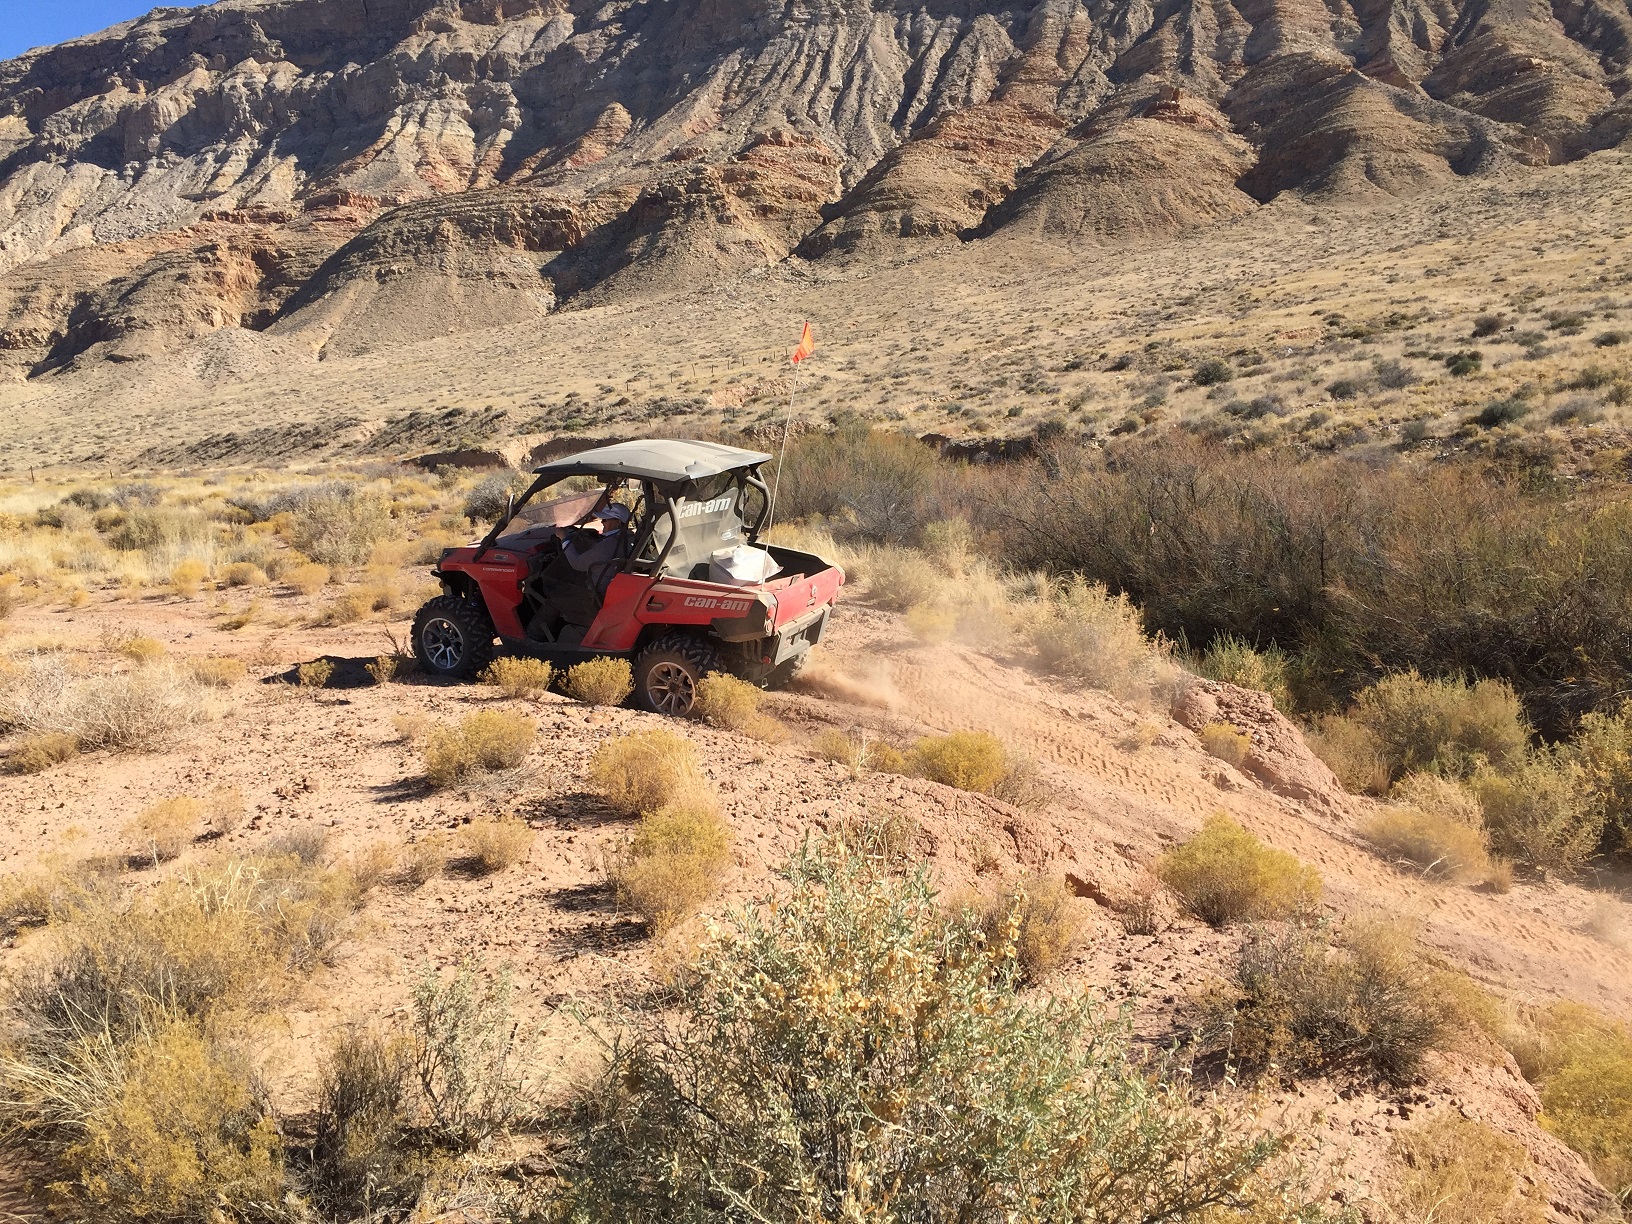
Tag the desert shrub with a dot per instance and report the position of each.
(496, 843)
(315, 674)
(923, 1087)
(244, 574)
(386, 668)
(169, 1126)
(187, 577)
(601, 682)
(145, 709)
(488, 498)
(1542, 812)
(1501, 412)
(1454, 1170)
(831, 744)
(728, 702)
(931, 624)
(900, 579)
(1041, 920)
(1236, 661)
(968, 760)
(464, 1044)
(167, 828)
(224, 808)
(1226, 742)
(1440, 847)
(1367, 1002)
(39, 751)
(1603, 749)
(306, 844)
(1224, 874)
(218, 672)
(140, 649)
(1211, 372)
(675, 862)
(645, 771)
(339, 525)
(1464, 362)
(423, 860)
(1488, 325)
(365, 1102)
(485, 740)
(1611, 339)
(518, 677)
(1438, 796)
(43, 894)
(1343, 389)
(1446, 724)
(1079, 629)
(1352, 752)
(873, 484)
(307, 579)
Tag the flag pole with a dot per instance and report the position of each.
(787, 426)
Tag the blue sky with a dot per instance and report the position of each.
(39, 23)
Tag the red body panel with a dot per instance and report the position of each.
(634, 601)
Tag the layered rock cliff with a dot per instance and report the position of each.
(361, 172)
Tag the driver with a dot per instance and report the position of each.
(599, 540)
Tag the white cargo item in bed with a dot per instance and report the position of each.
(741, 566)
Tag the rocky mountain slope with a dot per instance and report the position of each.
(355, 173)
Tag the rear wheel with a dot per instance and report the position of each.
(453, 637)
(667, 672)
(783, 673)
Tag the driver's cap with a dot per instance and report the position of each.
(616, 511)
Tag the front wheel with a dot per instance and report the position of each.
(453, 637)
(667, 672)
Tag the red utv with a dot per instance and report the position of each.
(688, 588)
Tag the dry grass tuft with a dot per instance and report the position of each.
(932, 623)
(244, 574)
(483, 741)
(167, 828)
(1443, 849)
(39, 751)
(600, 682)
(519, 677)
(187, 578)
(422, 860)
(139, 649)
(224, 809)
(645, 771)
(306, 579)
(1224, 874)
(497, 843)
(386, 668)
(1227, 742)
(725, 701)
(674, 863)
(1454, 1170)
(371, 866)
(218, 672)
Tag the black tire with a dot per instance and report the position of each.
(667, 671)
(783, 673)
(453, 637)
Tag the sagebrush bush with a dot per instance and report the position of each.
(218, 672)
(873, 484)
(145, 709)
(601, 682)
(1234, 660)
(968, 760)
(306, 579)
(244, 574)
(465, 1047)
(903, 578)
(1226, 741)
(1079, 629)
(1441, 848)
(844, 1051)
(1446, 723)
(1352, 752)
(485, 740)
(518, 677)
(488, 498)
(163, 831)
(1543, 812)
(423, 860)
(364, 1106)
(725, 701)
(645, 771)
(1366, 1003)
(1041, 920)
(37, 752)
(1444, 797)
(1454, 1170)
(495, 843)
(141, 649)
(315, 674)
(1603, 748)
(931, 624)
(1224, 874)
(675, 862)
(188, 576)
(339, 525)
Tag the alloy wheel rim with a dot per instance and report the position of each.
(444, 644)
(671, 688)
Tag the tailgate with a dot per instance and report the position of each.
(800, 598)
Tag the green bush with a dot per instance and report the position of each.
(968, 760)
(847, 1052)
(1224, 874)
(1441, 848)
(339, 525)
(1228, 743)
(1543, 812)
(1235, 661)
(1603, 748)
(675, 862)
(601, 682)
(1447, 724)
(1367, 1003)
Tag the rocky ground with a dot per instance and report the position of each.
(1121, 783)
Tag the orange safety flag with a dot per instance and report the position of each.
(807, 345)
